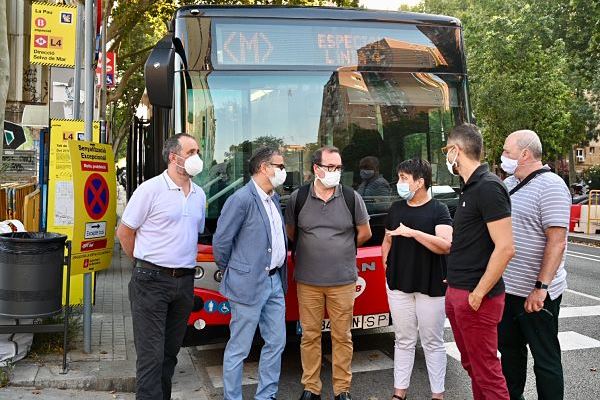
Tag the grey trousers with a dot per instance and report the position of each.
(160, 308)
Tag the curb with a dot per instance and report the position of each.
(81, 376)
(584, 240)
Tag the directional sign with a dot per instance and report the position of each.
(53, 32)
(14, 136)
(96, 196)
(94, 204)
(94, 230)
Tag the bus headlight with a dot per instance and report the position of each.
(199, 324)
(218, 276)
(199, 273)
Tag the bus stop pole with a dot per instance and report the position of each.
(89, 116)
(77, 79)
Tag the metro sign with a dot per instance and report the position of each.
(110, 69)
(110, 62)
(40, 22)
(41, 41)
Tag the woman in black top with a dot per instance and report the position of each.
(418, 235)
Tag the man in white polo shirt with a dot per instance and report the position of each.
(535, 277)
(159, 230)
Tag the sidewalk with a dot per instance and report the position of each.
(111, 364)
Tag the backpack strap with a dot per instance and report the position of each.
(301, 197)
(527, 179)
(303, 192)
(350, 199)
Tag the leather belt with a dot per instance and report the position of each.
(273, 271)
(174, 272)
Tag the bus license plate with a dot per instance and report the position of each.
(362, 322)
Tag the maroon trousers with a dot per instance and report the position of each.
(476, 335)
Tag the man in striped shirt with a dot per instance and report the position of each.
(535, 277)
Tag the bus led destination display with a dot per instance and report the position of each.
(280, 44)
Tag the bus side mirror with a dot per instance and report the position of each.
(159, 73)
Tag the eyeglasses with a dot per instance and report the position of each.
(446, 149)
(332, 168)
(280, 166)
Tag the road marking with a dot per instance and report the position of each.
(375, 360)
(365, 361)
(575, 341)
(583, 258)
(570, 252)
(568, 312)
(585, 311)
(568, 341)
(589, 296)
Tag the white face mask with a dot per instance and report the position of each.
(193, 165)
(452, 165)
(404, 191)
(278, 178)
(331, 179)
(509, 165)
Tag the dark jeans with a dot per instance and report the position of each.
(540, 331)
(160, 308)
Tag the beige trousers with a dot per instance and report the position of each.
(339, 302)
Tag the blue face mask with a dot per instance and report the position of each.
(404, 191)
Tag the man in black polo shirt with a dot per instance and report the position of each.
(482, 246)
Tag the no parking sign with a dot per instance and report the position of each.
(94, 199)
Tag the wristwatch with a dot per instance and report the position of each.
(541, 285)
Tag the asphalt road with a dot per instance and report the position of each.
(373, 359)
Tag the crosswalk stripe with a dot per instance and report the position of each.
(571, 252)
(569, 340)
(583, 258)
(375, 360)
(589, 296)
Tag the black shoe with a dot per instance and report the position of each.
(343, 396)
(306, 395)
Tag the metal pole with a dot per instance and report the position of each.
(89, 116)
(103, 138)
(78, 49)
(66, 310)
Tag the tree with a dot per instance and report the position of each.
(135, 27)
(532, 64)
(4, 74)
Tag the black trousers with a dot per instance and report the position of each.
(160, 308)
(540, 331)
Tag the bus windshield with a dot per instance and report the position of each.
(381, 92)
(388, 116)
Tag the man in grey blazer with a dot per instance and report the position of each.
(250, 246)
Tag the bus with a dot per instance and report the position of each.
(380, 86)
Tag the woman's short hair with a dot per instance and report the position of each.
(417, 168)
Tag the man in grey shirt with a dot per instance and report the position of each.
(535, 277)
(319, 220)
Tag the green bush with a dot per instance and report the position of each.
(592, 177)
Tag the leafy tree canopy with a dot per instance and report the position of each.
(533, 64)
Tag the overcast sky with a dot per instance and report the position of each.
(387, 4)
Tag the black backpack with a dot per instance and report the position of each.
(303, 191)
